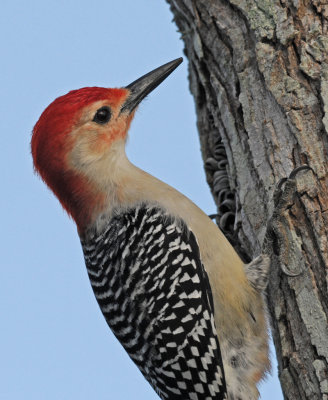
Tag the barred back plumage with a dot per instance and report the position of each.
(149, 281)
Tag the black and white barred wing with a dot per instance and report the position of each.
(154, 293)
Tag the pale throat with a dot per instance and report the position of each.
(112, 175)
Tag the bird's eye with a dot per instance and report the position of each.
(102, 115)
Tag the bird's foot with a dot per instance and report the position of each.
(279, 237)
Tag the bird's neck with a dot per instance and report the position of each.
(114, 182)
(127, 186)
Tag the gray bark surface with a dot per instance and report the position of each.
(258, 72)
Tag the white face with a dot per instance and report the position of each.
(98, 145)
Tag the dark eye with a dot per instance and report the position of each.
(102, 115)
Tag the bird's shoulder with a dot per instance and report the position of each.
(143, 223)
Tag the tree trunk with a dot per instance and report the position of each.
(258, 71)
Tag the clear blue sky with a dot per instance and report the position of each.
(54, 342)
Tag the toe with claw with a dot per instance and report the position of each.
(278, 236)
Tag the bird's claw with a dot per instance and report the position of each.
(289, 272)
(282, 181)
(278, 237)
(293, 174)
(296, 170)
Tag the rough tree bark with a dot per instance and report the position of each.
(258, 71)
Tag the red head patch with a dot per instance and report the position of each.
(50, 146)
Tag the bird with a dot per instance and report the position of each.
(188, 311)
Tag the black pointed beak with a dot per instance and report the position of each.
(140, 88)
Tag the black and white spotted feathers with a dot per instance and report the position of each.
(146, 273)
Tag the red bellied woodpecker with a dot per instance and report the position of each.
(187, 310)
